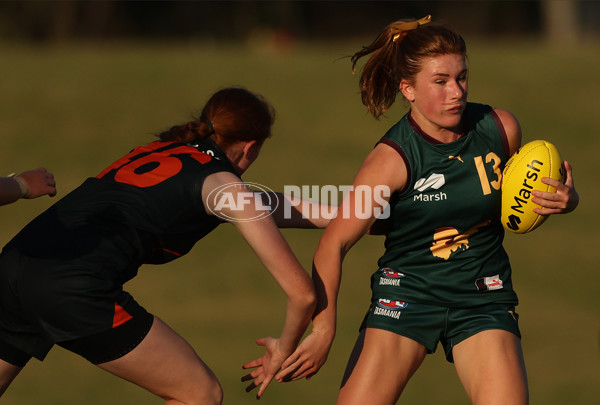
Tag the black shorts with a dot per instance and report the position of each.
(45, 302)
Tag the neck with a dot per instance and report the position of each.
(434, 133)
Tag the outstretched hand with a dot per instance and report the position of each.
(564, 200)
(265, 367)
(38, 182)
(307, 359)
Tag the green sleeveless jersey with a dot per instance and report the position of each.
(445, 243)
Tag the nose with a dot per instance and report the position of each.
(459, 90)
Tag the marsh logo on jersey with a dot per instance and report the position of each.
(489, 283)
(390, 308)
(433, 182)
(390, 277)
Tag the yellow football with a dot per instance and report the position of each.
(522, 174)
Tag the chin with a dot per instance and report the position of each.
(453, 123)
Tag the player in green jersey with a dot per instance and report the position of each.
(444, 276)
(62, 276)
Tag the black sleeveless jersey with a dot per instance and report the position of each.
(144, 208)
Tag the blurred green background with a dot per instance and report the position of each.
(75, 106)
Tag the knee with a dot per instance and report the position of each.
(208, 393)
(214, 394)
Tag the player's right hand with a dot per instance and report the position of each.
(307, 359)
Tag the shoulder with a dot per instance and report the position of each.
(386, 163)
(399, 131)
(218, 179)
(220, 184)
(512, 128)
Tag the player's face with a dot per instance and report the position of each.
(439, 95)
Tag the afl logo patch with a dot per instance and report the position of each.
(390, 277)
(391, 304)
(389, 308)
(389, 273)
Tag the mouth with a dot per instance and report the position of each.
(456, 108)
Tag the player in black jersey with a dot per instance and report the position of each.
(62, 276)
(444, 277)
(29, 184)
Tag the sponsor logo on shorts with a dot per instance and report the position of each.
(489, 283)
(390, 277)
(390, 308)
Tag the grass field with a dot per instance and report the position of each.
(76, 108)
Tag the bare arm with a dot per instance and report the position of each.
(566, 198)
(295, 212)
(264, 238)
(30, 184)
(292, 211)
(382, 168)
(512, 128)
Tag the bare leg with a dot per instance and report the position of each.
(166, 365)
(8, 372)
(491, 368)
(379, 359)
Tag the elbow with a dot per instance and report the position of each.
(310, 300)
(320, 222)
(313, 301)
(305, 299)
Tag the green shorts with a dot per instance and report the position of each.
(429, 324)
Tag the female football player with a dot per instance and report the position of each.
(444, 277)
(62, 276)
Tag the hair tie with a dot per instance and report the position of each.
(401, 28)
(210, 125)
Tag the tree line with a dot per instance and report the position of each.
(59, 20)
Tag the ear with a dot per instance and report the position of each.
(407, 90)
(251, 150)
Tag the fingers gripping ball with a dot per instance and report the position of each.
(522, 174)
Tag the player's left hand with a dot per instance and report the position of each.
(564, 200)
(265, 367)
